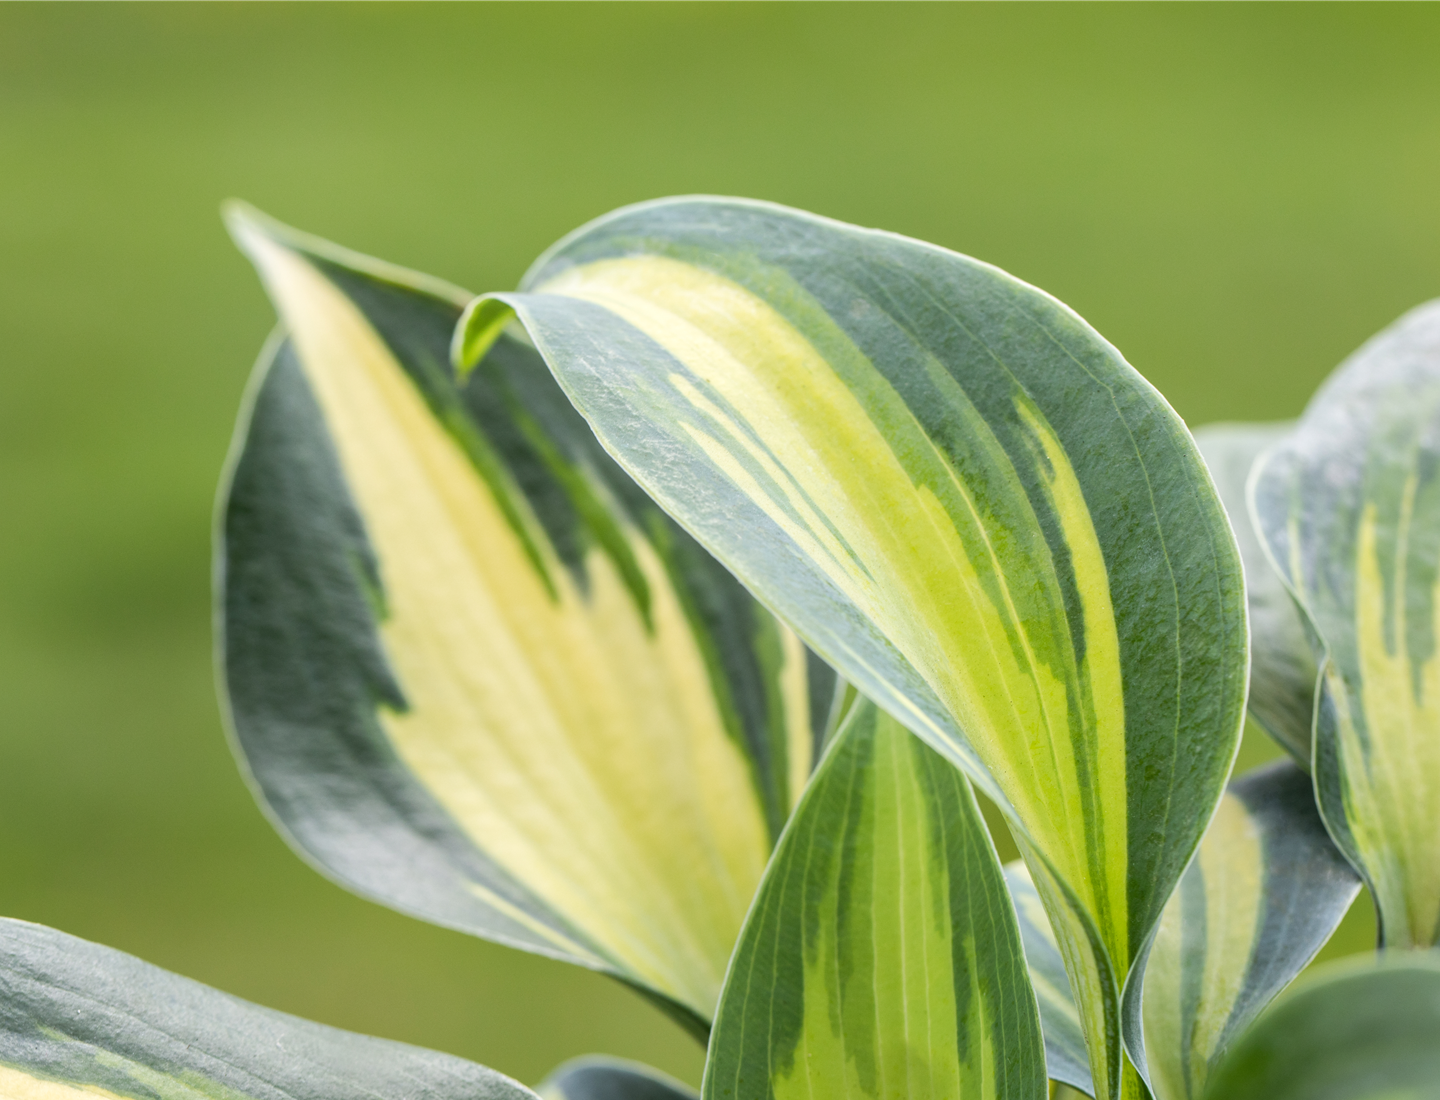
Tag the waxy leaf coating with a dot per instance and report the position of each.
(1349, 506)
(79, 1020)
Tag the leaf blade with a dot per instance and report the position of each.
(598, 1078)
(882, 953)
(1355, 1031)
(1065, 1057)
(946, 482)
(1347, 505)
(1283, 673)
(1264, 894)
(77, 1018)
(475, 673)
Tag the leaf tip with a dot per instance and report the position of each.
(479, 327)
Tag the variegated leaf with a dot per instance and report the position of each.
(82, 1021)
(476, 674)
(597, 1078)
(882, 957)
(1264, 894)
(1356, 1030)
(958, 494)
(1282, 660)
(1349, 505)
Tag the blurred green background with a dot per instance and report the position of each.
(1236, 196)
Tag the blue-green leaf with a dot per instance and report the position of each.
(1283, 672)
(1065, 1057)
(960, 495)
(1356, 1030)
(79, 1020)
(475, 673)
(598, 1078)
(882, 957)
(1349, 506)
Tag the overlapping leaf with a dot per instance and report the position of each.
(1264, 894)
(958, 494)
(596, 1078)
(1359, 1030)
(1266, 891)
(1283, 672)
(882, 957)
(1349, 506)
(475, 672)
(79, 1020)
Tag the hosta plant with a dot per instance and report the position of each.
(671, 616)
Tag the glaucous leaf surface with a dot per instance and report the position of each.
(1265, 893)
(475, 673)
(1282, 659)
(80, 1020)
(598, 1078)
(1349, 505)
(1065, 1059)
(1357, 1030)
(959, 494)
(882, 956)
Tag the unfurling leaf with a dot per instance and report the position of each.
(882, 956)
(79, 1020)
(960, 495)
(1283, 672)
(476, 674)
(1349, 504)
(1356, 1030)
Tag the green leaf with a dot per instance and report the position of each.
(1262, 897)
(1349, 506)
(475, 673)
(961, 497)
(80, 1020)
(1065, 1057)
(1283, 672)
(599, 1078)
(1356, 1030)
(882, 956)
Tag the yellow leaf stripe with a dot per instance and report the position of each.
(882, 957)
(759, 387)
(574, 740)
(1349, 505)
